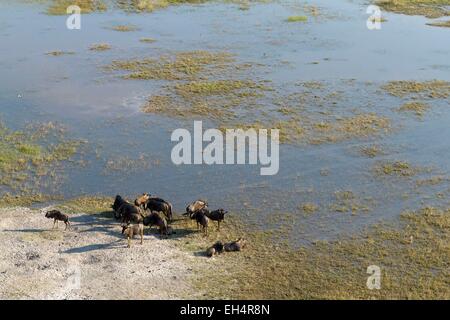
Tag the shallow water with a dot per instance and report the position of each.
(335, 48)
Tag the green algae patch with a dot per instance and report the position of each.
(413, 258)
(59, 7)
(297, 19)
(427, 8)
(100, 47)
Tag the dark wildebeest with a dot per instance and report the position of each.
(56, 215)
(126, 211)
(202, 220)
(155, 219)
(159, 205)
(216, 215)
(216, 248)
(195, 206)
(130, 230)
(235, 245)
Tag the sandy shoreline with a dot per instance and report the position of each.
(40, 263)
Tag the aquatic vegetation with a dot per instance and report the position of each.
(129, 165)
(100, 47)
(442, 24)
(27, 155)
(427, 8)
(151, 5)
(309, 207)
(59, 7)
(370, 151)
(58, 53)
(434, 89)
(396, 168)
(124, 28)
(347, 201)
(419, 108)
(147, 40)
(330, 269)
(297, 19)
(183, 65)
(431, 181)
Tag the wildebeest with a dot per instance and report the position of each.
(216, 248)
(155, 219)
(195, 206)
(202, 220)
(216, 215)
(235, 245)
(57, 215)
(126, 211)
(130, 230)
(142, 200)
(159, 205)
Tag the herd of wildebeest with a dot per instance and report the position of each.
(148, 210)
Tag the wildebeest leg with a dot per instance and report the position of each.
(66, 225)
(57, 224)
(129, 241)
(142, 236)
(218, 225)
(54, 222)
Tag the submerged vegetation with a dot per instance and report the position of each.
(418, 108)
(27, 155)
(59, 7)
(58, 53)
(442, 24)
(427, 8)
(396, 168)
(100, 47)
(124, 28)
(297, 19)
(435, 89)
(329, 270)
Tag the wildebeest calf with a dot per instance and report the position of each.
(155, 219)
(56, 215)
(202, 220)
(235, 245)
(130, 230)
(216, 248)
